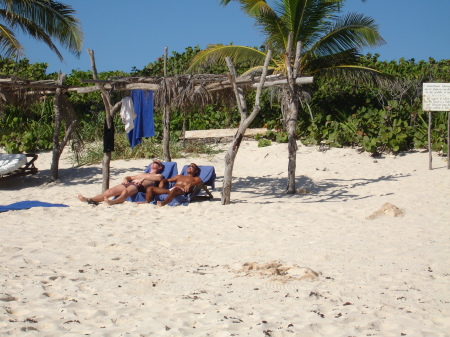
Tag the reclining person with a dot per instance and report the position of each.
(183, 186)
(130, 185)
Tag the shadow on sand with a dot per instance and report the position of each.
(67, 176)
(328, 190)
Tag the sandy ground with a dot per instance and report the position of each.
(332, 262)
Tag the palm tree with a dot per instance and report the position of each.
(330, 46)
(44, 20)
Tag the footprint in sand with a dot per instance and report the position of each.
(7, 249)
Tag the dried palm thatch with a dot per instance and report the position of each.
(183, 91)
(22, 92)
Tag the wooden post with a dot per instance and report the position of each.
(245, 122)
(448, 141)
(430, 156)
(166, 113)
(57, 149)
(106, 161)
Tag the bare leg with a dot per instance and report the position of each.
(173, 193)
(151, 191)
(129, 191)
(111, 192)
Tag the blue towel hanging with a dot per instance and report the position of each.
(144, 125)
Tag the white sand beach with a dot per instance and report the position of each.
(323, 263)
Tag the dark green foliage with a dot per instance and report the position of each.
(27, 132)
(23, 69)
(384, 119)
(266, 140)
(177, 64)
(26, 123)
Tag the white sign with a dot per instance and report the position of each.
(436, 96)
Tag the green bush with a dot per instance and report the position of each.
(385, 119)
(28, 131)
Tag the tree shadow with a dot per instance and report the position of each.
(327, 190)
(67, 176)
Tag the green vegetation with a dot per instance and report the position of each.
(389, 118)
(344, 114)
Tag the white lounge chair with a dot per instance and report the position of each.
(15, 165)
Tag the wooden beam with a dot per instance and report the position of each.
(299, 80)
(254, 83)
(130, 86)
(33, 85)
(125, 80)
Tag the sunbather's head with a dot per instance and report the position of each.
(157, 165)
(193, 167)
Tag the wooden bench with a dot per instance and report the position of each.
(216, 135)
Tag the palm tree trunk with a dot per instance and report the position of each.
(292, 114)
(292, 143)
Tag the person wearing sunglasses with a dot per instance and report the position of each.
(183, 186)
(129, 186)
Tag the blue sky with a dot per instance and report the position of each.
(124, 34)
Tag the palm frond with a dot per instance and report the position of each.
(353, 31)
(217, 54)
(252, 8)
(35, 31)
(356, 74)
(310, 19)
(45, 20)
(309, 65)
(9, 45)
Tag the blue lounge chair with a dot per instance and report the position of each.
(208, 175)
(170, 170)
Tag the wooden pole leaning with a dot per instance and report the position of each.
(448, 141)
(245, 122)
(106, 161)
(430, 155)
(57, 150)
(166, 113)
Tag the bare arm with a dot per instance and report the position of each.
(193, 182)
(139, 178)
(163, 182)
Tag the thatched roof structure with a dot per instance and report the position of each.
(180, 91)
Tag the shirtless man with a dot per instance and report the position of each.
(183, 185)
(129, 186)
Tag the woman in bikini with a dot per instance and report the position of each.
(129, 186)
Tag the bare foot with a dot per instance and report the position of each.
(88, 200)
(81, 198)
(110, 202)
(142, 202)
(159, 204)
